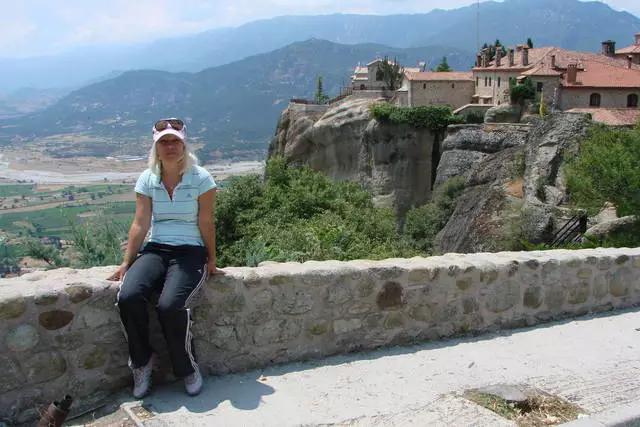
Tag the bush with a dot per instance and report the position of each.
(299, 215)
(436, 119)
(606, 170)
(423, 223)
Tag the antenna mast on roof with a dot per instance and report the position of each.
(478, 27)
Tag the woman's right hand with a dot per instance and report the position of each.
(119, 273)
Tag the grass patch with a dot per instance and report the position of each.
(540, 409)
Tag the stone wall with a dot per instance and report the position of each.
(454, 94)
(60, 331)
(609, 98)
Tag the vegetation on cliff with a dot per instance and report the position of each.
(606, 170)
(436, 119)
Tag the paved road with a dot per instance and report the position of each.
(593, 362)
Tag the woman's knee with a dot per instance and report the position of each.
(131, 296)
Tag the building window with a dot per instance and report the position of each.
(499, 79)
(632, 101)
(489, 81)
(362, 87)
(453, 85)
(424, 85)
(594, 100)
(539, 87)
(477, 81)
(486, 79)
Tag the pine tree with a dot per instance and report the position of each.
(320, 96)
(530, 43)
(443, 66)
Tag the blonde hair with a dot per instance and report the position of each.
(189, 159)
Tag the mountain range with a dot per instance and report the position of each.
(232, 109)
(234, 82)
(570, 24)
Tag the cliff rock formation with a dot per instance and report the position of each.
(344, 142)
(515, 193)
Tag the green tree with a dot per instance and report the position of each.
(606, 170)
(391, 73)
(47, 253)
(320, 97)
(521, 91)
(423, 223)
(530, 43)
(443, 66)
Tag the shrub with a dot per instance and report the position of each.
(423, 223)
(436, 119)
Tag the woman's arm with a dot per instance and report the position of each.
(137, 233)
(206, 211)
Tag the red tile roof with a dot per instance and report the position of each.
(543, 70)
(601, 74)
(610, 116)
(441, 76)
(563, 57)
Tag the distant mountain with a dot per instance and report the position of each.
(570, 24)
(234, 107)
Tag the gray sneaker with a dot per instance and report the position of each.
(142, 378)
(193, 383)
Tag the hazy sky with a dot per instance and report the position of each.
(36, 27)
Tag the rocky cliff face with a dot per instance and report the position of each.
(394, 161)
(515, 185)
(515, 188)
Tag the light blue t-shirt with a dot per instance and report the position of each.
(175, 222)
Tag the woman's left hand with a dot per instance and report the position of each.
(212, 269)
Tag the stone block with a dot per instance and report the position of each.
(22, 338)
(45, 366)
(46, 298)
(293, 300)
(276, 331)
(12, 307)
(55, 319)
(234, 303)
(578, 293)
(343, 326)
(96, 358)
(503, 296)
(423, 275)
(470, 305)
(365, 287)
(339, 293)
(555, 299)
(390, 297)
(263, 299)
(600, 287)
(319, 328)
(619, 282)
(78, 292)
(464, 283)
(12, 377)
(394, 320)
(532, 297)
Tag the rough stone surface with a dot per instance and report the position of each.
(46, 298)
(393, 161)
(503, 114)
(12, 307)
(43, 367)
(296, 311)
(55, 319)
(78, 292)
(12, 377)
(95, 359)
(22, 338)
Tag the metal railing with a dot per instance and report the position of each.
(572, 231)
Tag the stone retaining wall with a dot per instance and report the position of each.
(60, 331)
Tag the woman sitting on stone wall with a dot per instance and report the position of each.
(176, 199)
